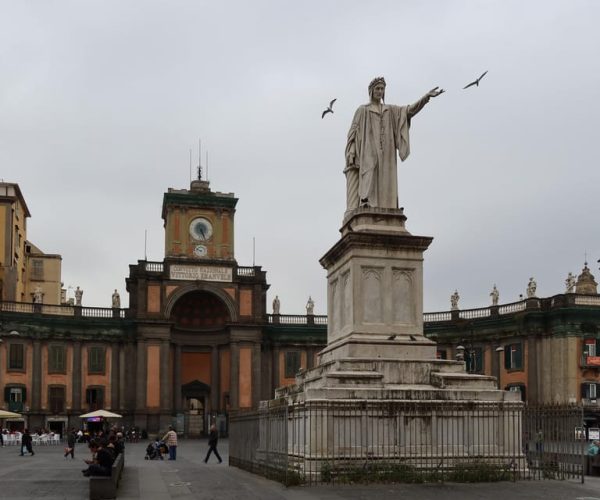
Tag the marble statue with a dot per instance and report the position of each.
(276, 305)
(495, 294)
(531, 288)
(378, 133)
(78, 295)
(310, 306)
(570, 283)
(116, 300)
(454, 298)
(38, 295)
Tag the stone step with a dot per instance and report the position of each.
(466, 381)
(351, 378)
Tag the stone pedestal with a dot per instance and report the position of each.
(379, 375)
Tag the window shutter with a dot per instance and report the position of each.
(23, 394)
(507, 357)
(6, 393)
(583, 391)
(518, 356)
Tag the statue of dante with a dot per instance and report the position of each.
(378, 130)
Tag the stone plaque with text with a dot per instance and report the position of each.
(203, 273)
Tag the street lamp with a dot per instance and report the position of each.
(499, 350)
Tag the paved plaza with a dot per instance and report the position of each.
(49, 476)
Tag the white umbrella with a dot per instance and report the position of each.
(101, 413)
(9, 414)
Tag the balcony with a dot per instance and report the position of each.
(16, 406)
(589, 361)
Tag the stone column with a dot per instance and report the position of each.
(115, 350)
(76, 378)
(234, 383)
(276, 380)
(215, 388)
(165, 393)
(177, 379)
(140, 396)
(36, 379)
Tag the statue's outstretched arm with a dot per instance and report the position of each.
(414, 108)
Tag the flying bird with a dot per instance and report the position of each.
(476, 82)
(329, 109)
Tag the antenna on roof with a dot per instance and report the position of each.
(190, 165)
(207, 164)
(253, 251)
(199, 159)
(145, 244)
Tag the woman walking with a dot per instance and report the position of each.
(213, 438)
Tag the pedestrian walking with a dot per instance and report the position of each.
(170, 439)
(70, 449)
(26, 441)
(213, 439)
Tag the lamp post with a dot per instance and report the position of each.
(499, 351)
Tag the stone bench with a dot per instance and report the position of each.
(105, 487)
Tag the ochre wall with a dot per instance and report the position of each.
(153, 376)
(245, 302)
(154, 298)
(245, 380)
(195, 366)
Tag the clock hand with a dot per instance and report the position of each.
(202, 233)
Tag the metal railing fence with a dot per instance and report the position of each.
(408, 441)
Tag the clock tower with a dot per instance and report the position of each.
(199, 223)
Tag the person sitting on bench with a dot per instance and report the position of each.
(102, 460)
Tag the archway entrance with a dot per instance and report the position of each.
(195, 396)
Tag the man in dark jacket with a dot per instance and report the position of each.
(101, 465)
(70, 449)
(213, 438)
(26, 442)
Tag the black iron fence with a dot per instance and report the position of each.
(408, 441)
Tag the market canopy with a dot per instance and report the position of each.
(101, 413)
(9, 414)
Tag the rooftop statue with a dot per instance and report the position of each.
(454, 298)
(378, 133)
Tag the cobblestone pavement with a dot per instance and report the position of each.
(48, 475)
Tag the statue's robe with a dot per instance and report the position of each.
(373, 139)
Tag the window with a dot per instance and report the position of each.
(16, 357)
(292, 363)
(96, 357)
(15, 397)
(94, 397)
(589, 390)
(37, 269)
(590, 347)
(474, 360)
(441, 354)
(56, 399)
(57, 362)
(513, 357)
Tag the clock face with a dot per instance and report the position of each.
(200, 251)
(201, 229)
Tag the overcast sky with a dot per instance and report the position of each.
(101, 101)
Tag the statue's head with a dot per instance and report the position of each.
(377, 82)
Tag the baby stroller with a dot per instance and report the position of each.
(154, 451)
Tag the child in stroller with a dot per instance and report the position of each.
(155, 450)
